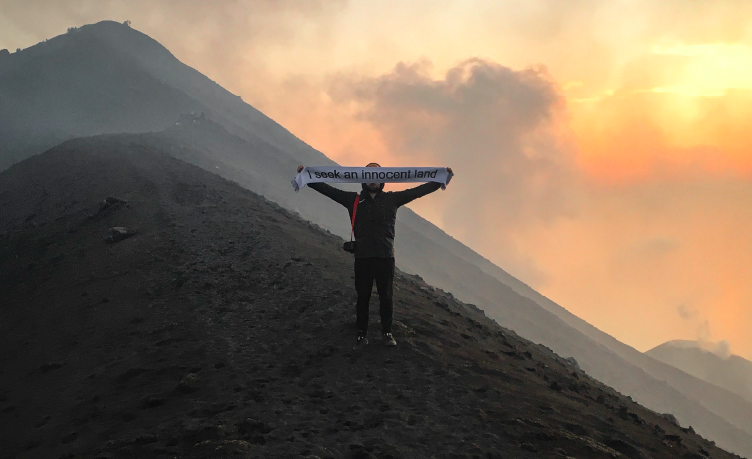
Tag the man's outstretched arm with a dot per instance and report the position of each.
(411, 194)
(345, 198)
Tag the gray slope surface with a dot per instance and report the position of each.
(733, 373)
(256, 152)
(223, 327)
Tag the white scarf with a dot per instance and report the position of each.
(337, 174)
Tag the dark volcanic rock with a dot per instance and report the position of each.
(118, 233)
(250, 354)
(108, 77)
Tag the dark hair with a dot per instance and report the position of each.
(364, 186)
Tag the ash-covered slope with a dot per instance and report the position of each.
(77, 85)
(733, 373)
(425, 251)
(223, 327)
(107, 77)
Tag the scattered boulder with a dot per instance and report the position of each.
(49, 366)
(232, 447)
(152, 401)
(31, 444)
(111, 202)
(573, 362)
(69, 438)
(625, 448)
(226, 430)
(43, 421)
(108, 205)
(670, 418)
(144, 439)
(253, 426)
(129, 374)
(577, 429)
(674, 438)
(188, 384)
(118, 233)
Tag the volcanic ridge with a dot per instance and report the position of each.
(220, 325)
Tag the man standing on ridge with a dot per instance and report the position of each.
(373, 227)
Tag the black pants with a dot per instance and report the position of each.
(366, 271)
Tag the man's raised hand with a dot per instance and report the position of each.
(449, 169)
(300, 168)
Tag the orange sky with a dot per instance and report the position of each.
(609, 136)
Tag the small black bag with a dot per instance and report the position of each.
(349, 246)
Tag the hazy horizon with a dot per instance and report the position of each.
(600, 147)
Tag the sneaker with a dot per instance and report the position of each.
(361, 343)
(389, 340)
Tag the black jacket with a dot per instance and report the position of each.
(375, 217)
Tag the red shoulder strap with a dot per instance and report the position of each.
(355, 210)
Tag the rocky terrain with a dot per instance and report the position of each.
(110, 78)
(219, 324)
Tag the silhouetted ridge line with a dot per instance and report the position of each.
(222, 327)
(119, 81)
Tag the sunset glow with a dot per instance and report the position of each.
(620, 131)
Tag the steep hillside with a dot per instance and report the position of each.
(78, 85)
(689, 383)
(107, 77)
(223, 327)
(733, 373)
(421, 251)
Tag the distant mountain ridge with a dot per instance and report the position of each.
(733, 373)
(108, 77)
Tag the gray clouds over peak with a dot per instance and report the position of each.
(475, 93)
(497, 127)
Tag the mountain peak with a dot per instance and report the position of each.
(117, 37)
(711, 362)
(107, 78)
(125, 38)
(719, 349)
(104, 25)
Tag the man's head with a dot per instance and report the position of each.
(373, 187)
